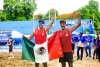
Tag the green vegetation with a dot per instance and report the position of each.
(91, 11)
(86, 31)
(17, 10)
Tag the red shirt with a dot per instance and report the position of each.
(65, 39)
(40, 35)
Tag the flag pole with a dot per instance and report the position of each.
(83, 29)
(49, 11)
(33, 20)
(55, 14)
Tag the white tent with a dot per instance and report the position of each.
(88, 34)
(75, 33)
(16, 34)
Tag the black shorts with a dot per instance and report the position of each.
(68, 57)
(10, 49)
(73, 46)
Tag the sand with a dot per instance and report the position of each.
(18, 62)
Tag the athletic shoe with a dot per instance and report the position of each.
(12, 57)
(81, 59)
(86, 55)
(96, 57)
(9, 57)
(93, 57)
(77, 58)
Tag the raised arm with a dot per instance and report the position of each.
(52, 20)
(77, 25)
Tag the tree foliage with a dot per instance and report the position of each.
(91, 11)
(15, 10)
(85, 13)
(46, 16)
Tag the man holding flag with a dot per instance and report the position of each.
(40, 35)
(65, 40)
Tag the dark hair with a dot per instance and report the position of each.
(41, 21)
(9, 35)
(81, 33)
(97, 34)
(90, 21)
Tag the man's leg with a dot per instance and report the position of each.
(96, 51)
(10, 50)
(45, 64)
(70, 64)
(63, 64)
(81, 53)
(99, 53)
(86, 51)
(89, 52)
(36, 64)
(12, 56)
(78, 48)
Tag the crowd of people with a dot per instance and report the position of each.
(88, 43)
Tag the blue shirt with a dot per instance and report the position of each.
(10, 41)
(73, 40)
(94, 41)
(82, 39)
(88, 43)
(98, 42)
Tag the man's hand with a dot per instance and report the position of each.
(22, 36)
(79, 14)
(53, 10)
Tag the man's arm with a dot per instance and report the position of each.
(52, 20)
(77, 25)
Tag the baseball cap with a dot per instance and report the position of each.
(64, 21)
(41, 21)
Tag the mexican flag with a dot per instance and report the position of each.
(40, 53)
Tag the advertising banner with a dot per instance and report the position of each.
(4, 36)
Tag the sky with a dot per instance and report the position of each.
(62, 6)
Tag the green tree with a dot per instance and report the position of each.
(94, 11)
(19, 9)
(91, 10)
(85, 12)
(40, 16)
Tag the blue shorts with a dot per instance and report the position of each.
(10, 48)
